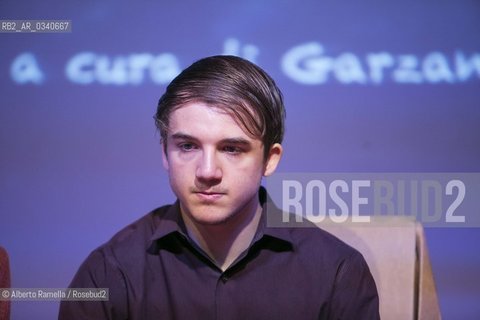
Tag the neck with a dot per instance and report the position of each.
(226, 241)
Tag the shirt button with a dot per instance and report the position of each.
(224, 278)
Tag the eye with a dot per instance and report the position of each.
(186, 146)
(232, 149)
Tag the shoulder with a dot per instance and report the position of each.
(307, 238)
(319, 251)
(326, 258)
(312, 245)
(131, 242)
(109, 264)
(140, 230)
(315, 241)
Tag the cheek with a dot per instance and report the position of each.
(179, 186)
(252, 167)
(180, 175)
(245, 177)
(178, 163)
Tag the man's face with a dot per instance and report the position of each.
(214, 167)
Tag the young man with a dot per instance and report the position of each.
(211, 254)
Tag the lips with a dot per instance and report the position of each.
(209, 196)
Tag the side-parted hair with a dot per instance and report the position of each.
(235, 86)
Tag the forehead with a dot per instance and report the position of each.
(201, 120)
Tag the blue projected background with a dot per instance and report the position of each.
(369, 87)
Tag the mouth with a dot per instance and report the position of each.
(207, 196)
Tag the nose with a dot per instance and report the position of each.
(208, 168)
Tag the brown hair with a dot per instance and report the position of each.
(234, 85)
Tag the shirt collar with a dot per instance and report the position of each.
(270, 210)
(172, 223)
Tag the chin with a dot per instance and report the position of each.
(211, 219)
(209, 215)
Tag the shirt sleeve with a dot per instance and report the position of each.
(355, 293)
(98, 271)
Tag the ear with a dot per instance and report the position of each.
(274, 156)
(164, 156)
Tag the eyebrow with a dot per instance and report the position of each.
(182, 136)
(233, 140)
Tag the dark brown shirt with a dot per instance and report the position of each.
(155, 271)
